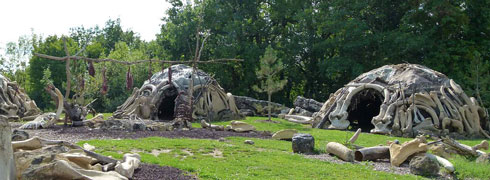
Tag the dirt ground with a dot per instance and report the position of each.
(75, 134)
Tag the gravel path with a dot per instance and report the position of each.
(380, 165)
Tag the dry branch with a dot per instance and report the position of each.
(224, 60)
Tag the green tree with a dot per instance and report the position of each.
(271, 82)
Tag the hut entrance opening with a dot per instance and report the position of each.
(363, 107)
(167, 105)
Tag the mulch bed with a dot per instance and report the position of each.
(75, 134)
(153, 171)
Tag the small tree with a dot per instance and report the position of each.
(268, 73)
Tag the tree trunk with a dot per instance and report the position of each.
(269, 105)
(7, 163)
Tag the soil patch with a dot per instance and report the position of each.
(75, 134)
(153, 171)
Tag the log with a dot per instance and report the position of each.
(372, 153)
(340, 151)
(460, 148)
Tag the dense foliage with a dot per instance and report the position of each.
(322, 45)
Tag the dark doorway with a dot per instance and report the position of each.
(166, 108)
(363, 107)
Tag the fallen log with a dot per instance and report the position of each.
(340, 151)
(372, 153)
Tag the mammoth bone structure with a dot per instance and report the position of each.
(14, 102)
(162, 97)
(404, 100)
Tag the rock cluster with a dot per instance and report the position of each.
(253, 107)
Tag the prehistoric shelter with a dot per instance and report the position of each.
(404, 100)
(164, 96)
(14, 102)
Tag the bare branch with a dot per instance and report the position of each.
(223, 60)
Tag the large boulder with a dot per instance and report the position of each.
(254, 107)
(424, 166)
(303, 143)
(310, 105)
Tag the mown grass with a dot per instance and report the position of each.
(268, 159)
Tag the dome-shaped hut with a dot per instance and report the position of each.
(403, 100)
(164, 96)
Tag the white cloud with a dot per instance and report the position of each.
(18, 17)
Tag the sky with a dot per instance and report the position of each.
(49, 17)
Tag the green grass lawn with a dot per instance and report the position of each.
(266, 159)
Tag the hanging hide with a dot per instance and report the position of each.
(91, 69)
(104, 88)
(129, 79)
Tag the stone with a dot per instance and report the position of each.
(303, 143)
(247, 112)
(424, 166)
(484, 158)
(139, 126)
(240, 126)
(254, 107)
(221, 139)
(249, 142)
(310, 105)
(302, 112)
(19, 135)
(285, 134)
(117, 124)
